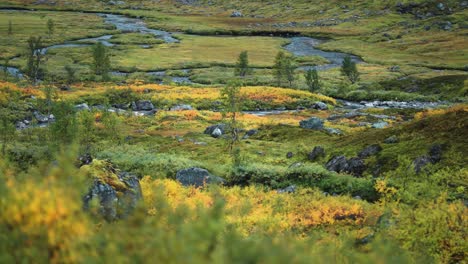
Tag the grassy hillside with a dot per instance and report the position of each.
(153, 147)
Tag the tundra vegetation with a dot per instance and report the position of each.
(233, 131)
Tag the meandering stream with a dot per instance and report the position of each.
(299, 46)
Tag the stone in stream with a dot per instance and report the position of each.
(320, 106)
(197, 177)
(314, 123)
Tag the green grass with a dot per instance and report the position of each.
(68, 26)
(199, 51)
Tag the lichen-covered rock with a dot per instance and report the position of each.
(116, 192)
(314, 123)
(197, 177)
(333, 131)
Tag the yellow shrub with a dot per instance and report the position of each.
(252, 209)
(46, 208)
(434, 112)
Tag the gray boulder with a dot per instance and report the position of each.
(337, 164)
(250, 133)
(82, 107)
(41, 119)
(316, 153)
(314, 123)
(143, 105)
(354, 166)
(320, 106)
(20, 125)
(236, 14)
(181, 107)
(289, 189)
(216, 130)
(333, 131)
(370, 151)
(197, 177)
(380, 125)
(217, 133)
(391, 140)
(114, 204)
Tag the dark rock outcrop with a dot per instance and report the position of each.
(216, 131)
(434, 156)
(250, 133)
(197, 177)
(316, 153)
(370, 151)
(337, 164)
(143, 105)
(115, 203)
(354, 166)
